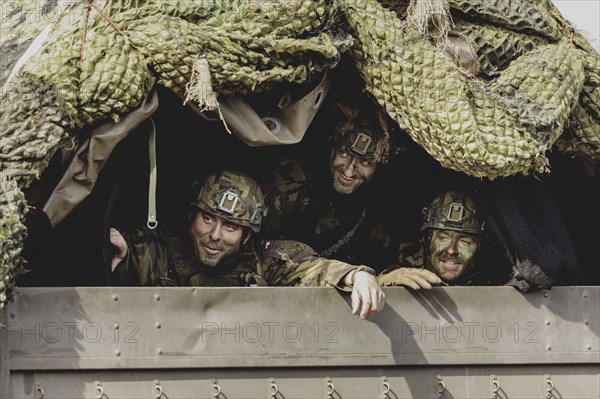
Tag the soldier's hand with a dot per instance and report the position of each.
(367, 296)
(118, 241)
(410, 277)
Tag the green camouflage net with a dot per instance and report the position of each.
(12, 235)
(501, 32)
(533, 16)
(530, 83)
(237, 67)
(496, 47)
(540, 88)
(38, 116)
(461, 123)
(17, 31)
(400, 7)
(516, 15)
(582, 132)
(99, 60)
(103, 59)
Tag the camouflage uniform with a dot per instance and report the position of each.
(304, 206)
(450, 211)
(411, 254)
(157, 258)
(161, 258)
(337, 226)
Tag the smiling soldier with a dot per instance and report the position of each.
(333, 211)
(218, 250)
(449, 251)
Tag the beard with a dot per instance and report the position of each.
(212, 253)
(345, 187)
(450, 268)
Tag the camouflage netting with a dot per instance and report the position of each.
(501, 31)
(487, 95)
(12, 229)
(99, 61)
(486, 129)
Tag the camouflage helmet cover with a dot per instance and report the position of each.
(234, 197)
(361, 133)
(359, 140)
(452, 210)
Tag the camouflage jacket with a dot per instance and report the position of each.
(411, 254)
(306, 208)
(157, 258)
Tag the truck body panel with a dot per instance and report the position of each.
(250, 342)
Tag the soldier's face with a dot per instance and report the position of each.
(214, 239)
(452, 254)
(349, 172)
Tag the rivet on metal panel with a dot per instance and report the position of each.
(157, 325)
(216, 388)
(115, 297)
(586, 322)
(330, 387)
(545, 295)
(12, 315)
(441, 387)
(39, 391)
(156, 297)
(495, 387)
(548, 348)
(158, 391)
(585, 294)
(99, 390)
(385, 388)
(273, 390)
(549, 385)
(116, 326)
(547, 322)
(159, 351)
(117, 352)
(588, 347)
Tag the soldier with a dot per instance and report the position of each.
(450, 247)
(226, 211)
(336, 218)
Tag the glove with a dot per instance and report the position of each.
(410, 277)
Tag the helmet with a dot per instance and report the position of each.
(359, 136)
(234, 197)
(452, 210)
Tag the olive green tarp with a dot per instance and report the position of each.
(533, 83)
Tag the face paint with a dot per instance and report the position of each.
(452, 254)
(349, 171)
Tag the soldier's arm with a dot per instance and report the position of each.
(293, 263)
(144, 258)
(289, 263)
(409, 270)
(409, 277)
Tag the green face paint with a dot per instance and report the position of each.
(349, 171)
(452, 254)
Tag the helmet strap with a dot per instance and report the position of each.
(248, 234)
